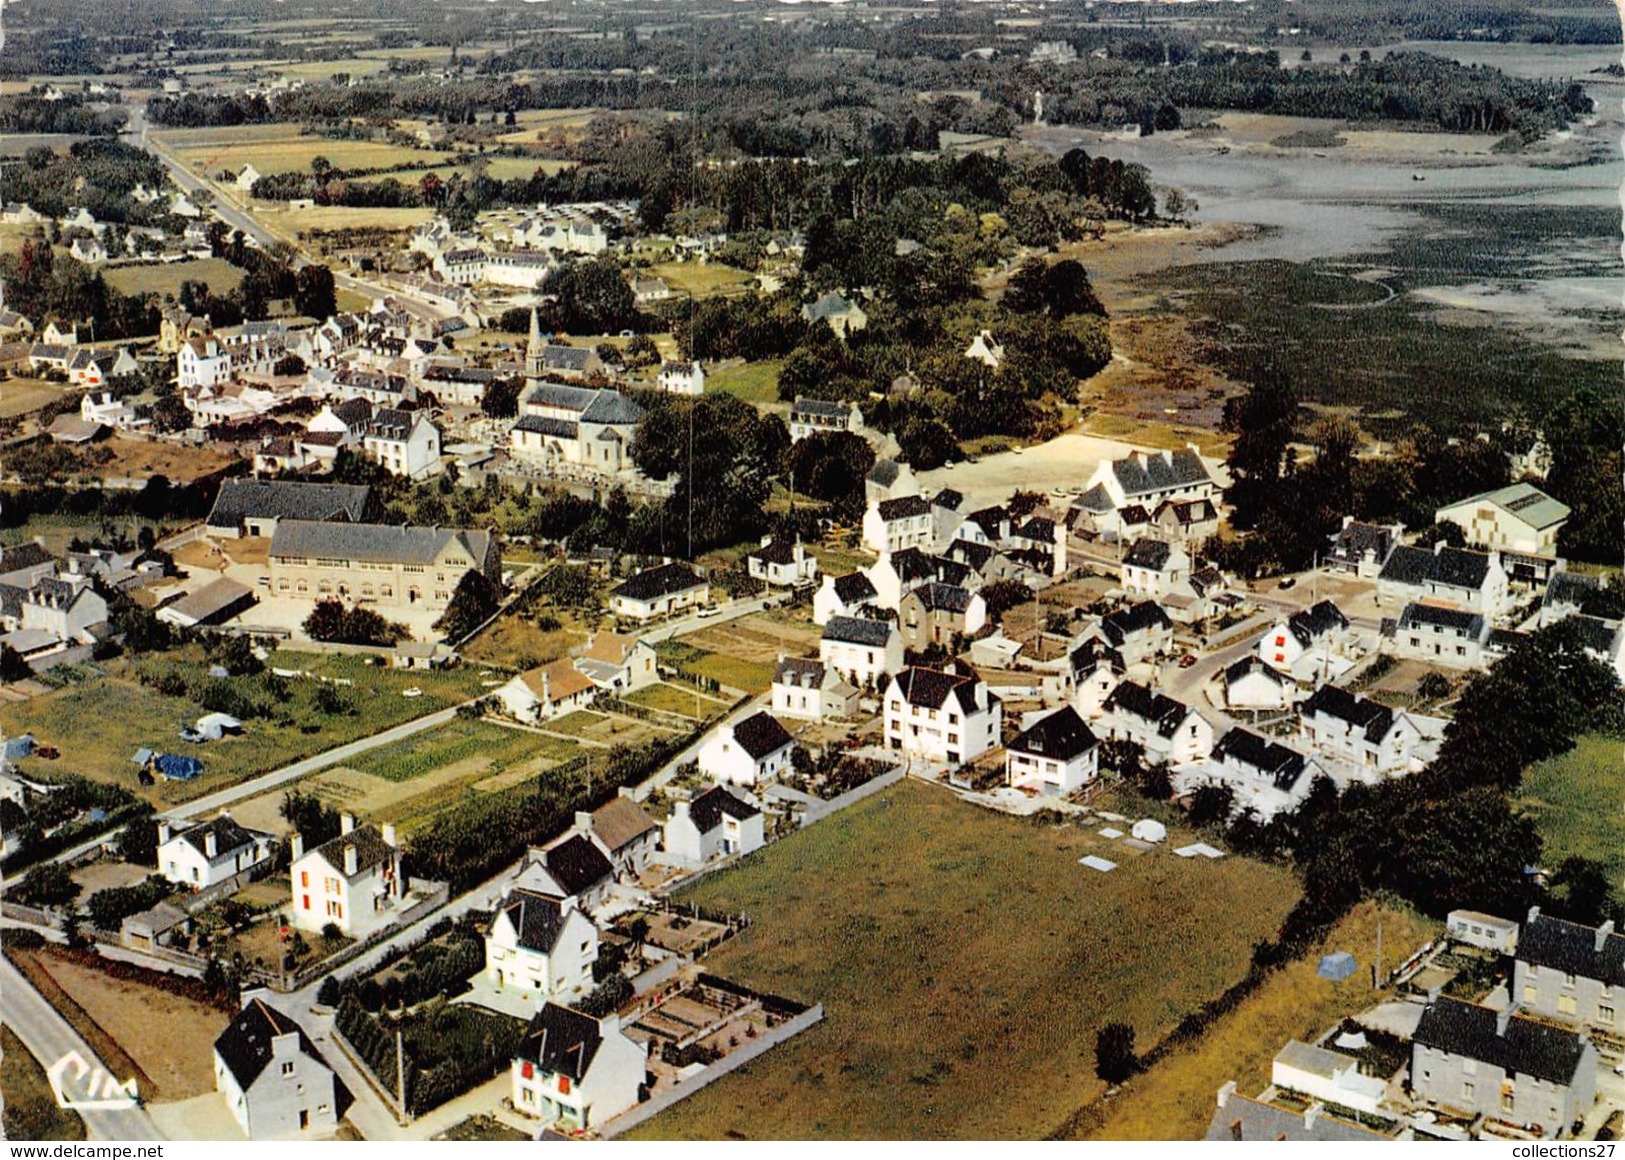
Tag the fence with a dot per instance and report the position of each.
(225, 887)
(435, 899)
(628, 1120)
(853, 796)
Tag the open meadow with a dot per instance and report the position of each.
(1578, 803)
(949, 944)
(282, 148)
(219, 275)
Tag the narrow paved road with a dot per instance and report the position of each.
(49, 1038)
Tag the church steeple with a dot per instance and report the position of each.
(533, 348)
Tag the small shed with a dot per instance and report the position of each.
(16, 748)
(1337, 966)
(143, 757)
(1150, 830)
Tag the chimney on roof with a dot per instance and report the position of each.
(1603, 933)
(387, 830)
(211, 845)
(1225, 1092)
(679, 809)
(1502, 1019)
(163, 830)
(1311, 1114)
(346, 823)
(350, 864)
(296, 846)
(627, 792)
(1534, 913)
(583, 821)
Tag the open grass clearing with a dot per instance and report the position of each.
(98, 724)
(702, 279)
(681, 699)
(285, 151)
(20, 396)
(1578, 803)
(343, 217)
(31, 1110)
(516, 642)
(733, 671)
(1174, 1099)
(756, 382)
(962, 944)
(219, 275)
(497, 169)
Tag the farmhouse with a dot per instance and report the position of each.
(354, 881)
(274, 1081)
(659, 591)
(200, 856)
(747, 752)
(715, 824)
(378, 564)
(822, 417)
(782, 563)
(540, 945)
(252, 507)
(576, 1071)
(1057, 754)
(941, 716)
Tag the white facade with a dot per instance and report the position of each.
(725, 758)
(561, 969)
(680, 378)
(956, 730)
(202, 362)
(414, 454)
(895, 524)
(609, 1085)
(195, 857)
(861, 662)
(354, 881)
(698, 831)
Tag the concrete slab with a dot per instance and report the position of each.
(203, 1117)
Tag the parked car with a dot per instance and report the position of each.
(1187, 660)
(1289, 582)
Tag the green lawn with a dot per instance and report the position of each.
(965, 961)
(100, 722)
(702, 278)
(756, 382)
(1578, 802)
(218, 274)
(675, 699)
(751, 676)
(455, 742)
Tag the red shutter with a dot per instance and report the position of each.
(564, 1085)
(304, 902)
(528, 1070)
(1279, 641)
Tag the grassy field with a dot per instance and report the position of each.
(281, 148)
(31, 1110)
(166, 278)
(516, 642)
(1578, 802)
(99, 723)
(962, 946)
(23, 396)
(446, 746)
(344, 217)
(675, 699)
(1174, 1099)
(703, 279)
(499, 169)
(756, 382)
(750, 675)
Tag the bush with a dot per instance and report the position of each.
(1115, 1060)
(47, 885)
(332, 622)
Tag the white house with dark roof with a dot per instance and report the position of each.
(891, 525)
(659, 591)
(1189, 520)
(252, 507)
(201, 855)
(1242, 1119)
(1361, 549)
(1571, 973)
(747, 752)
(1168, 732)
(1137, 633)
(840, 313)
(403, 443)
(355, 881)
(936, 613)
(275, 1083)
(1474, 581)
(681, 378)
(1475, 1061)
(889, 479)
(1154, 569)
(1251, 684)
(941, 716)
(718, 823)
(1451, 638)
(848, 595)
(541, 946)
(861, 650)
(1057, 754)
(561, 425)
(1312, 645)
(1343, 726)
(574, 1071)
(782, 563)
(809, 690)
(1096, 670)
(1143, 480)
(823, 417)
(1519, 518)
(573, 866)
(1264, 776)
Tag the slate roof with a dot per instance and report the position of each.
(1373, 719)
(799, 673)
(1572, 949)
(241, 499)
(370, 850)
(1251, 664)
(1159, 471)
(611, 408)
(775, 552)
(1096, 499)
(537, 919)
(391, 424)
(761, 734)
(1093, 652)
(948, 498)
(1571, 588)
(541, 425)
(1526, 1048)
(375, 543)
(970, 553)
(570, 358)
(1061, 736)
(562, 396)
(931, 689)
(561, 1041)
(943, 597)
(1188, 511)
(1469, 624)
(245, 1044)
(884, 472)
(1136, 700)
(1453, 567)
(1283, 766)
(653, 583)
(854, 588)
(229, 837)
(904, 507)
(709, 808)
(1356, 539)
(823, 408)
(353, 412)
(1531, 505)
(858, 630)
(619, 822)
(1142, 617)
(1148, 553)
(1407, 565)
(27, 555)
(1316, 621)
(1248, 1119)
(576, 864)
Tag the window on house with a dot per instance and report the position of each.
(1467, 1091)
(1605, 1014)
(287, 1068)
(1567, 1005)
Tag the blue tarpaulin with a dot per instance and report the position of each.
(177, 768)
(17, 747)
(1337, 967)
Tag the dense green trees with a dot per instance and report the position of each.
(473, 602)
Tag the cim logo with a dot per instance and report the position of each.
(93, 1088)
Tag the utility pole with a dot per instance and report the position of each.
(1376, 967)
(400, 1073)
